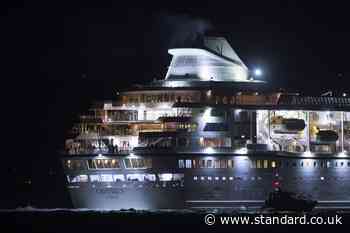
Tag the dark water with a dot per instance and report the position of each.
(41, 186)
(154, 221)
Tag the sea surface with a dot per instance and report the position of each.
(30, 219)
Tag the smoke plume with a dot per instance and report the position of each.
(182, 30)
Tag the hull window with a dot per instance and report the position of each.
(94, 164)
(136, 163)
(188, 163)
(95, 178)
(77, 178)
(181, 163)
(171, 177)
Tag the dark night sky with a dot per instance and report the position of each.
(62, 56)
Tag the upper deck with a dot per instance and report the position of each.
(209, 102)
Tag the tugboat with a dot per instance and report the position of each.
(288, 201)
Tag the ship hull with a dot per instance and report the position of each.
(326, 180)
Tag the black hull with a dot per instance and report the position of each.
(211, 188)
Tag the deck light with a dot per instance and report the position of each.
(258, 72)
(342, 154)
(209, 150)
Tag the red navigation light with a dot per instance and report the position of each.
(276, 184)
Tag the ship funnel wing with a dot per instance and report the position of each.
(214, 60)
(220, 46)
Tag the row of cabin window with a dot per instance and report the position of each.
(121, 177)
(322, 164)
(205, 163)
(263, 163)
(229, 163)
(93, 164)
(257, 178)
(217, 178)
(222, 163)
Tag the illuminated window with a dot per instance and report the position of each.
(83, 178)
(188, 163)
(165, 177)
(223, 163)
(223, 178)
(178, 177)
(99, 164)
(258, 163)
(138, 163)
(127, 163)
(216, 178)
(195, 178)
(68, 164)
(209, 163)
(202, 163)
(103, 164)
(230, 163)
(181, 163)
(194, 164)
(74, 165)
(150, 177)
(77, 178)
(273, 164)
(106, 178)
(115, 163)
(329, 164)
(209, 177)
(95, 178)
(216, 163)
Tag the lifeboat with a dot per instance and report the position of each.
(287, 125)
(327, 136)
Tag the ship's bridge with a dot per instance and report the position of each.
(214, 61)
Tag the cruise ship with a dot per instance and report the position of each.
(208, 135)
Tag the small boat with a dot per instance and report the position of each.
(288, 201)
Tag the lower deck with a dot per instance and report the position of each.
(190, 181)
